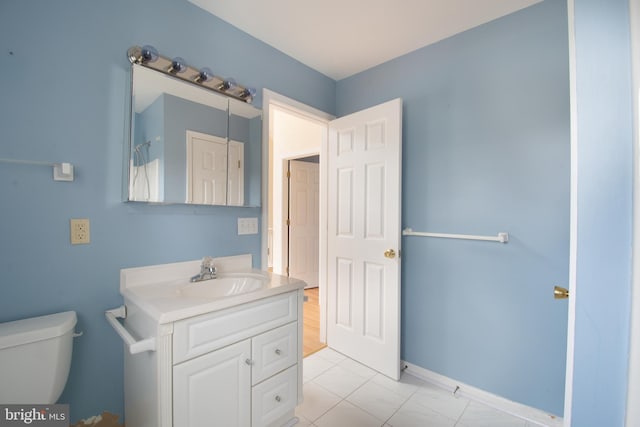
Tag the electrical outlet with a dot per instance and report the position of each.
(80, 231)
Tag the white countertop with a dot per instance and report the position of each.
(161, 303)
(154, 289)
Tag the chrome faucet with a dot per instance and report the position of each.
(207, 270)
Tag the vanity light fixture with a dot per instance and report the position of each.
(177, 67)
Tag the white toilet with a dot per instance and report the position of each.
(35, 357)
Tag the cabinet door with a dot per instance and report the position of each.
(214, 389)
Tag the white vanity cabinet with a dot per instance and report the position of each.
(228, 355)
(238, 367)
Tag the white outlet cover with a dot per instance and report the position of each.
(80, 230)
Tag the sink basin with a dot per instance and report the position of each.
(228, 284)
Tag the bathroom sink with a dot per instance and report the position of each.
(228, 284)
(165, 293)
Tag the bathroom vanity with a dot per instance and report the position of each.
(221, 352)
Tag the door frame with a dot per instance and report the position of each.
(633, 387)
(271, 98)
(573, 219)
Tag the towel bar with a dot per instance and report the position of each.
(135, 346)
(502, 237)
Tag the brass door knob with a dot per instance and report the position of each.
(560, 293)
(390, 253)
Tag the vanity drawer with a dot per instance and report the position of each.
(274, 351)
(198, 335)
(273, 398)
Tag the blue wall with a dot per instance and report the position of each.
(486, 148)
(482, 112)
(62, 98)
(605, 177)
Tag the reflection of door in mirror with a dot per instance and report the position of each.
(206, 169)
(235, 195)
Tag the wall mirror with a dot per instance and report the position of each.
(191, 145)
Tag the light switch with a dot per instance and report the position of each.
(247, 226)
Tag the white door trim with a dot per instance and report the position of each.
(633, 388)
(308, 113)
(573, 217)
(460, 389)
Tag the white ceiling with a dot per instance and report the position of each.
(340, 38)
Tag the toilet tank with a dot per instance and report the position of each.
(35, 357)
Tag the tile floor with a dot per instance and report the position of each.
(339, 392)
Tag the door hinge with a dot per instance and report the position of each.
(288, 174)
(287, 270)
(239, 166)
(288, 222)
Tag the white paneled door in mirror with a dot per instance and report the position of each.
(206, 169)
(364, 203)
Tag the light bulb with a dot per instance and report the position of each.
(205, 75)
(149, 54)
(248, 94)
(177, 65)
(228, 84)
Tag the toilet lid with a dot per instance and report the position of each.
(35, 329)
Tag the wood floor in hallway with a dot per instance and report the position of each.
(311, 330)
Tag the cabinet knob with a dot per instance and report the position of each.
(278, 351)
(278, 398)
(248, 362)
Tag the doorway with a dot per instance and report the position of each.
(295, 134)
(303, 242)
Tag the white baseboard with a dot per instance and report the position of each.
(519, 410)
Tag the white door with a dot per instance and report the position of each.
(235, 190)
(304, 198)
(214, 389)
(363, 243)
(206, 169)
